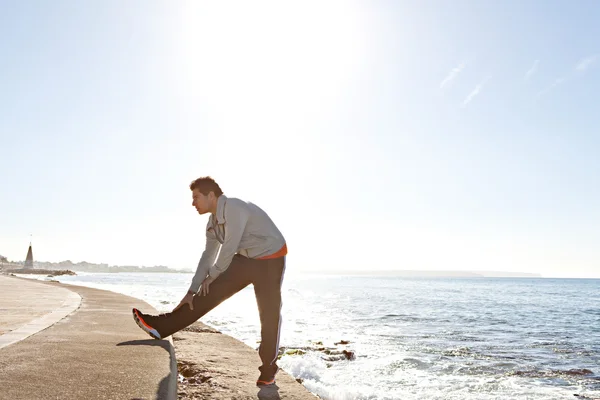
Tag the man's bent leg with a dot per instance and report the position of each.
(234, 279)
(267, 279)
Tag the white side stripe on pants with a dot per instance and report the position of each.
(280, 305)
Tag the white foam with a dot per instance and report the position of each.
(310, 366)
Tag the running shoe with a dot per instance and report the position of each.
(139, 320)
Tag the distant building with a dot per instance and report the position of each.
(29, 258)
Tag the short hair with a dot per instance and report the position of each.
(205, 185)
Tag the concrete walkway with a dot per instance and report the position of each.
(86, 345)
(24, 314)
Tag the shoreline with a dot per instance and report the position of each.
(331, 384)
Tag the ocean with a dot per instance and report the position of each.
(412, 338)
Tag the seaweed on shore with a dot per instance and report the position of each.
(328, 353)
(200, 329)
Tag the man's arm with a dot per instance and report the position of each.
(236, 217)
(208, 256)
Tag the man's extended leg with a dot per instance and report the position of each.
(235, 278)
(267, 280)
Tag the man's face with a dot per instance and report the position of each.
(200, 202)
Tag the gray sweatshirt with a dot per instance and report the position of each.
(238, 227)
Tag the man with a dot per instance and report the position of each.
(252, 250)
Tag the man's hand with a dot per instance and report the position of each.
(205, 284)
(187, 299)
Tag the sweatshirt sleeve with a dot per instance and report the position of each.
(208, 257)
(236, 217)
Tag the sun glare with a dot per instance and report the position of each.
(269, 58)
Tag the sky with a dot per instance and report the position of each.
(378, 135)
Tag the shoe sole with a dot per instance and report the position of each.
(153, 333)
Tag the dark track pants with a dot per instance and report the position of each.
(265, 275)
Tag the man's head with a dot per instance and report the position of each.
(205, 192)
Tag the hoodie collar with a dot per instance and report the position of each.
(221, 201)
